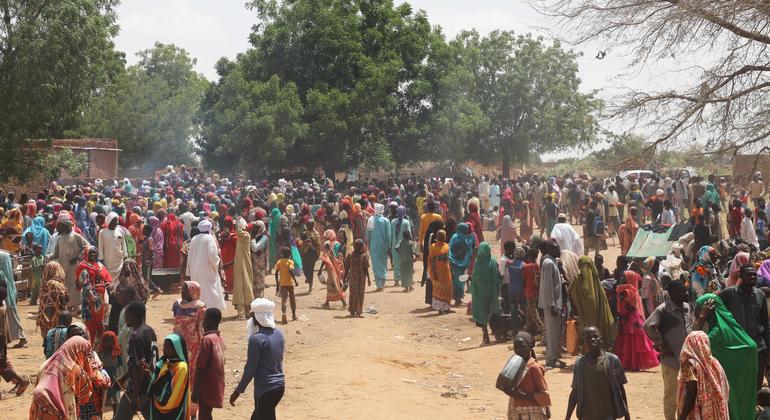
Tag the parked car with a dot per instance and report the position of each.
(637, 173)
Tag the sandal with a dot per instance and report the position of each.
(23, 387)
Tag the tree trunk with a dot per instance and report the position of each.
(506, 167)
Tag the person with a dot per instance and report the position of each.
(93, 407)
(142, 347)
(506, 232)
(748, 306)
(356, 271)
(285, 282)
(173, 237)
(530, 399)
(748, 233)
(428, 218)
(7, 371)
(593, 239)
(485, 289)
(111, 356)
(310, 248)
(667, 217)
(227, 243)
(440, 274)
(334, 274)
(188, 313)
(632, 346)
(405, 253)
(264, 363)
(68, 252)
(169, 390)
(703, 388)
(735, 350)
(531, 274)
(259, 257)
(399, 225)
(378, 228)
(39, 234)
(210, 367)
(52, 299)
(551, 210)
(763, 404)
(668, 326)
(203, 266)
(156, 241)
(627, 232)
(12, 228)
(550, 301)
(461, 250)
(598, 381)
(590, 301)
(566, 236)
(651, 291)
(57, 335)
(243, 290)
(94, 281)
(427, 240)
(64, 382)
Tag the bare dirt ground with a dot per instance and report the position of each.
(405, 362)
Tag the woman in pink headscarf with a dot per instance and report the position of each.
(734, 278)
(157, 242)
(188, 313)
(64, 382)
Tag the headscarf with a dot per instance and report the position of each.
(590, 300)
(40, 234)
(507, 230)
(713, 390)
(702, 272)
(485, 284)
(379, 209)
(57, 374)
(764, 270)
(569, 262)
(400, 214)
(737, 353)
(263, 311)
(633, 279)
(205, 226)
(116, 352)
(157, 237)
(461, 246)
(740, 259)
(194, 289)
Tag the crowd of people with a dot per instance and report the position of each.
(699, 312)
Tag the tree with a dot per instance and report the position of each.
(150, 108)
(517, 96)
(723, 103)
(248, 125)
(354, 65)
(54, 55)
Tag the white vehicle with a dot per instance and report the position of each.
(637, 173)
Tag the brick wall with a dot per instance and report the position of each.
(102, 155)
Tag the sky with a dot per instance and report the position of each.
(209, 30)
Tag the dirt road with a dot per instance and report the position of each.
(405, 362)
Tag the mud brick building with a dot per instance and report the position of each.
(101, 157)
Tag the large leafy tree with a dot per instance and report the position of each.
(356, 66)
(54, 55)
(514, 97)
(150, 108)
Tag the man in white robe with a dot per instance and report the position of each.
(203, 267)
(112, 247)
(566, 236)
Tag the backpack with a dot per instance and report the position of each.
(598, 227)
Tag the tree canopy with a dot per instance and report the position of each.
(53, 57)
(150, 108)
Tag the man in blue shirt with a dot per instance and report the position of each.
(264, 363)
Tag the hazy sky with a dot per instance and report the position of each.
(210, 30)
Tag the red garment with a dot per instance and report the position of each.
(227, 241)
(211, 365)
(474, 220)
(736, 217)
(173, 238)
(531, 272)
(633, 347)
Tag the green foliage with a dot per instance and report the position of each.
(54, 55)
(150, 108)
(61, 161)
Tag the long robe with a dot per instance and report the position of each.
(203, 268)
(485, 286)
(112, 250)
(243, 274)
(440, 275)
(567, 238)
(173, 237)
(70, 246)
(379, 244)
(590, 301)
(396, 236)
(228, 242)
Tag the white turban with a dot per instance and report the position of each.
(263, 311)
(110, 217)
(204, 226)
(379, 209)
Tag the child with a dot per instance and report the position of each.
(531, 273)
(597, 382)
(57, 335)
(142, 349)
(530, 400)
(334, 273)
(283, 279)
(111, 357)
(6, 368)
(210, 367)
(169, 391)
(406, 254)
(667, 216)
(36, 271)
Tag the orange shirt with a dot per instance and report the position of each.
(283, 267)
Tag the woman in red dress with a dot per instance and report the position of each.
(227, 241)
(633, 346)
(173, 238)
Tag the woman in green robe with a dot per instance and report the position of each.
(485, 289)
(737, 353)
(590, 301)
